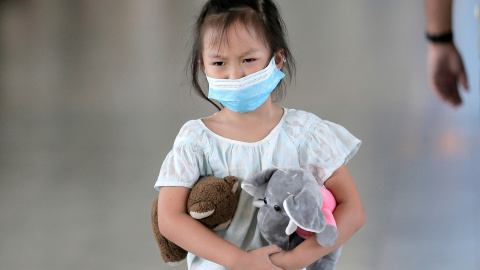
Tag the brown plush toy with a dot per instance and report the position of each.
(212, 201)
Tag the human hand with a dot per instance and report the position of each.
(259, 259)
(284, 260)
(287, 260)
(445, 69)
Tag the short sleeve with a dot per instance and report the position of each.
(181, 167)
(326, 147)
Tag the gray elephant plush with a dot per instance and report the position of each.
(293, 207)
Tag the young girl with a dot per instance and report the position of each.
(240, 46)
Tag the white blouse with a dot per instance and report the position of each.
(300, 139)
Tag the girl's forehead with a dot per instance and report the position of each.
(234, 36)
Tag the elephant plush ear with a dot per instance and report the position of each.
(304, 211)
(256, 185)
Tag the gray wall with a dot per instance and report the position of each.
(92, 94)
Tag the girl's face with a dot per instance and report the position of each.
(239, 53)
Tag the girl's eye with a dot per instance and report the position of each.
(249, 60)
(219, 63)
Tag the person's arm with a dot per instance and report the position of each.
(438, 16)
(349, 216)
(444, 63)
(179, 227)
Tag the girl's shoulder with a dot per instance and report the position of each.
(298, 125)
(192, 132)
(192, 128)
(310, 124)
(300, 120)
(302, 124)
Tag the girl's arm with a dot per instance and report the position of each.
(349, 216)
(179, 227)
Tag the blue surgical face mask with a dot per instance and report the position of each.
(248, 93)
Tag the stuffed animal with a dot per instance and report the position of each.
(212, 201)
(293, 201)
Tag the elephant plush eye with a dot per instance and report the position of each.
(277, 208)
(265, 200)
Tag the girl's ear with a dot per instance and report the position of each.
(279, 58)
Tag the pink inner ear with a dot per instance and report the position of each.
(328, 206)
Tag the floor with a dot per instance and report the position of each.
(92, 94)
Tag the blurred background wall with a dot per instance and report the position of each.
(93, 93)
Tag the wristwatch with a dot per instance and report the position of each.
(442, 38)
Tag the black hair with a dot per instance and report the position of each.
(262, 15)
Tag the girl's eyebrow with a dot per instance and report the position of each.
(216, 56)
(253, 50)
(219, 56)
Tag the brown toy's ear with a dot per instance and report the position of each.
(232, 181)
(171, 253)
(201, 210)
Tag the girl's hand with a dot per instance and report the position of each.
(285, 260)
(259, 259)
